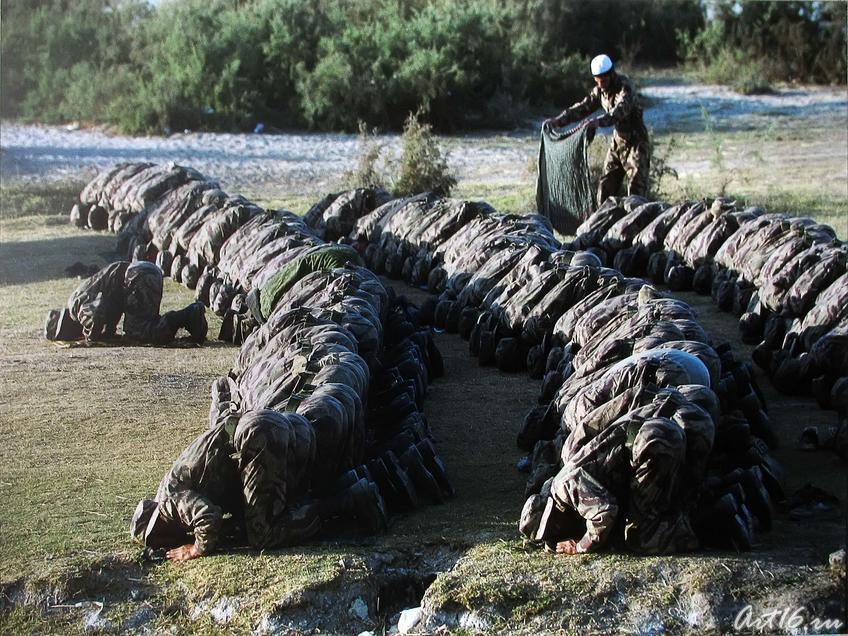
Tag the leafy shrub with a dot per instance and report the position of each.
(327, 64)
(422, 167)
(750, 45)
(366, 173)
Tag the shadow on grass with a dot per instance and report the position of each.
(120, 342)
(23, 262)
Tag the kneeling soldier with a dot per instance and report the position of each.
(133, 290)
(250, 482)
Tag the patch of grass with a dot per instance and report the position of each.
(526, 588)
(506, 198)
(783, 169)
(297, 203)
(26, 199)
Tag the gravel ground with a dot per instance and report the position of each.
(306, 163)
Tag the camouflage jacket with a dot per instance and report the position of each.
(201, 486)
(98, 302)
(621, 106)
(595, 473)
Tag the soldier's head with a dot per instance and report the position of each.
(542, 521)
(141, 518)
(60, 326)
(587, 258)
(603, 71)
(531, 515)
(150, 528)
(51, 324)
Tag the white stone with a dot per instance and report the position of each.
(358, 609)
(224, 609)
(409, 618)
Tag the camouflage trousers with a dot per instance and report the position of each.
(624, 158)
(656, 524)
(276, 452)
(142, 322)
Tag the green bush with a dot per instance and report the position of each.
(328, 64)
(750, 45)
(422, 167)
(366, 173)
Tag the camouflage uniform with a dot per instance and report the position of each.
(630, 153)
(276, 452)
(640, 465)
(621, 386)
(258, 475)
(132, 289)
(200, 487)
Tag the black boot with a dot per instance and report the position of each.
(192, 319)
(196, 322)
(425, 483)
(407, 496)
(434, 464)
(364, 503)
(387, 489)
(756, 496)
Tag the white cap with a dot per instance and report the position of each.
(601, 64)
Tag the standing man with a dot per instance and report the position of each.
(630, 153)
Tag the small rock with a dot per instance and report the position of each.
(138, 619)
(224, 609)
(473, 621)
(837, 562)
(700, 612)
(358, 609)
(94, 620)
(409, 618)
(366, 633)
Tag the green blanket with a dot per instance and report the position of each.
(563, 190)
(324, 257)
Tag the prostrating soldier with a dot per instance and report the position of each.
(129, 289)
(251, 483)
(635, 474)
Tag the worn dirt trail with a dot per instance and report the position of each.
(474, 413)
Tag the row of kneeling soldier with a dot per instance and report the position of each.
(785, 276)
(320, 418)
(649, 436)
(616, 355)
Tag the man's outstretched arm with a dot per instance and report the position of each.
(578, 111)
(197, 515)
